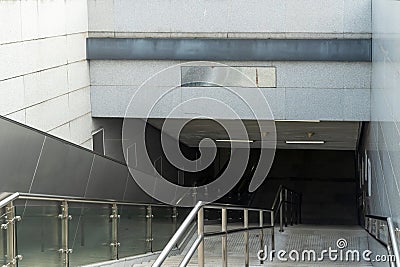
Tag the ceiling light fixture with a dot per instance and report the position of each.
(310, 134)
(234, 141)
(305, 142)
(315, 121)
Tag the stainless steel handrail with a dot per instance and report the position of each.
(281, 189)
(44, 197)
(178, 234)
(391, 243)
(199, 242)
(198, 211)
(281, 204)
(7, 201)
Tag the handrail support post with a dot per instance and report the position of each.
(9, 226)
(246, 237)
(261, 224)
(224, 243)
(114, 231)
(149, 228)
(281, 211)
(200, 232)
(65, 218)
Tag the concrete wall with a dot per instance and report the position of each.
(44, 75)
(230, 19)
(305, 90)
(383, 135)
(382, 138)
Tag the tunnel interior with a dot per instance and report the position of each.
(326, 179)
(326, 176)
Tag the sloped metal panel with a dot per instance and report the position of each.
(32, 161)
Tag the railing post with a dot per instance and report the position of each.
(300, 203)
(291, 208)
(114, 231)
(281, 211)
(65, 218)
(378, 229)
(246, 237)
(370, 225)
(295, 207)
(285, 204)
(149, 228)
(272, 232)
(224, 227)
(200, 232)
(174, 219)
(261, 224)
(11, 247)
(390, 251)
(9, 226)
(394, 245)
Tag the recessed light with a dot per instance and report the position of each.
(305, 142)
(310, 134)
(315, 121)
(234, 141)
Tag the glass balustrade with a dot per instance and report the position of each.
(132, 231)
(74, 233)
(164, 226)
(38, 233)
(89, 233)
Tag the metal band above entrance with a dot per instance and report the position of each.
(229, 49)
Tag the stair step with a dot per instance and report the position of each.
(296, 237)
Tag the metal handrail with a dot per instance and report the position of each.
(178, 234)
(281, 204)
(198, 211)
(7, 201)
(44, 197)
(391, 243)
(281, 189)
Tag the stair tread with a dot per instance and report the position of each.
(296, 237)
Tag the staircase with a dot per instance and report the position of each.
(301, 237)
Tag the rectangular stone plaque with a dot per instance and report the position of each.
(212, 76)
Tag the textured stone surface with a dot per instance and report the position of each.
(382, 138)
(239, 16)
(43, 59)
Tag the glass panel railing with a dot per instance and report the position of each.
(54, 232)
(182, 214)
(38, 234)
(164, 226)
(132, 231)
(89, 233)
